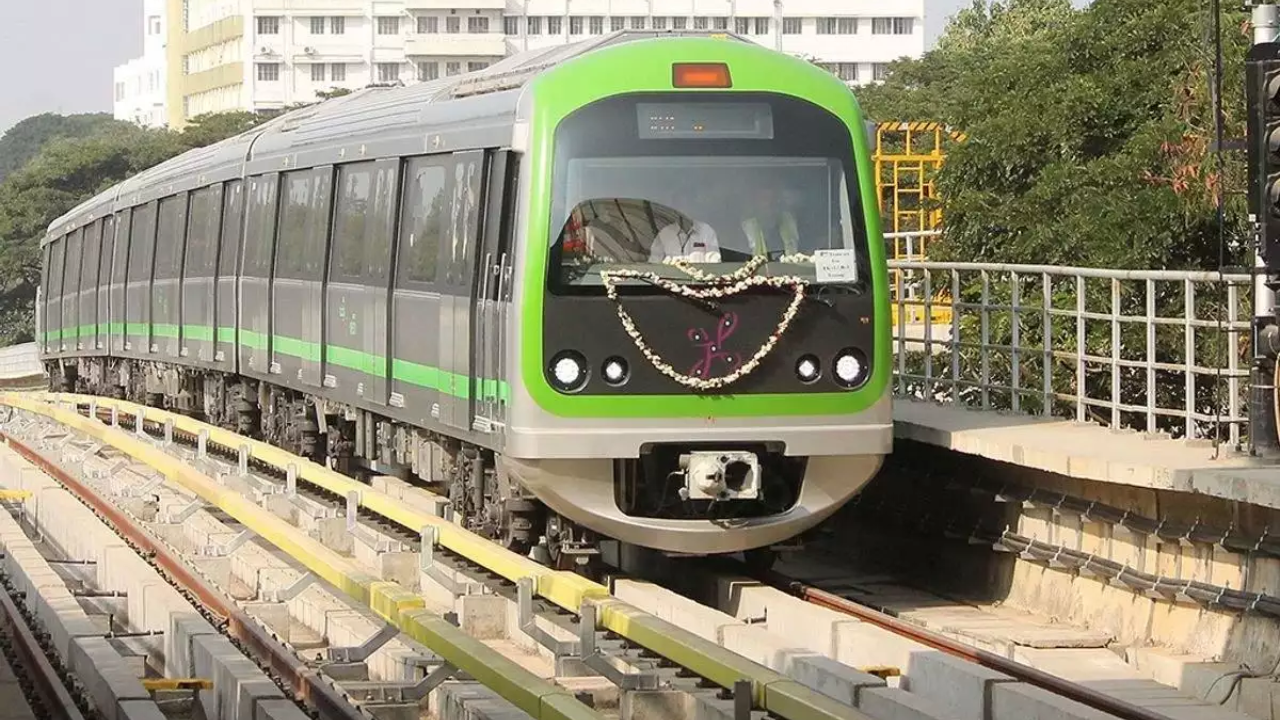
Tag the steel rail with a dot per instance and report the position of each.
(305, 682)
(57, 700)
(1025, 673)
(771, 691)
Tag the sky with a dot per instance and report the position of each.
(58, 55)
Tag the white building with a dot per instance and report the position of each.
(140, 84)
(264, 55)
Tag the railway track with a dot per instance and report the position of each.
(575, 622)
(631, 648)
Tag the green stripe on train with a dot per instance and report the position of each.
(413, 373)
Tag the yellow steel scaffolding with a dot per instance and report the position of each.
(907, 157)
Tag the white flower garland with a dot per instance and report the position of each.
(738, 281)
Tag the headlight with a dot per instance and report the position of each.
(615, 371)
(808, 369)
(850, 367)
(569, 370)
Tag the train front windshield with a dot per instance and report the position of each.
(713, 180)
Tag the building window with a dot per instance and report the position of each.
(511, 25)
(827, 26)
(659, 23)
(555, 25)
(617, 24)
(453, 67)
(477, 65)
(268, 26)
(701, 23)
(792, 26)
(119, 91)
(318, 25)
(762, 26)
(720, 23)
(428, 71)
(428, 25)
(533, 25)
(317, 73)
(338, 72)
(847, 26)
(679, 23)
(742, 26)
(880, 71)
(637, 22)
(268, 72)
(453, 25)
(596, 26)
(575, 25)
(845, 71)
(388, 72)
(153, 25)
(389, 25)
(892, 26)
(338, 25)
(477, 24)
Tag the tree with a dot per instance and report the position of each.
(210, 128)
(1089, 135)
(22, 141)
(1089, 131)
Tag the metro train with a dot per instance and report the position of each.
(631, 289)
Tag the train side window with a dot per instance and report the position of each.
(424, 219)
(120, 266)
(352, 221)
(55, 272)
(303, 223)
(260, 228)
(142, 242)
(377, 249)
(232, 228)
(71, 283)
(171, 237)
(48, 267)
(202, 232)
(89, 256)
(107, 251)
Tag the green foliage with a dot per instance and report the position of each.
(1089, 131)
(67, 170)
(1089, 136)
(22, 141)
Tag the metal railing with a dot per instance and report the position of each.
(1155, 351)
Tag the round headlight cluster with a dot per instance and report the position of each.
(615, 371)
(850, 367)
(568, 371)
(808, 368)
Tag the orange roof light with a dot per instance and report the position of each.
(700, 75)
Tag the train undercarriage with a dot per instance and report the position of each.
(362, 444)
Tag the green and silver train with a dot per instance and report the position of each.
(630, 289)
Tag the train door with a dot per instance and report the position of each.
(103, 319)
(166, 287)
(225, 295)
(492, 294)
(297, 289)
(119, 281)
(418, 383)
(255, 281)
(458, 259)
(377, 269)
(137, 315)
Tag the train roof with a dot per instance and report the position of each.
(473, 102)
